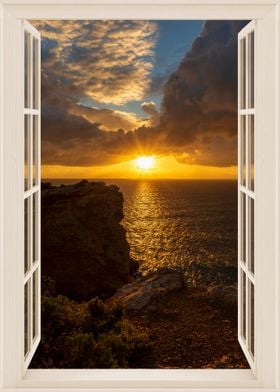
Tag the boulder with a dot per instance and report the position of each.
(139, 294)
(84, 246)
(224, 296)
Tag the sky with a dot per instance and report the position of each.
(113, 91)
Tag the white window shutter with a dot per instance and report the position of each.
(32, 190)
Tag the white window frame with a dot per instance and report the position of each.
(267, 214)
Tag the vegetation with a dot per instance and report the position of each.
(86, 335)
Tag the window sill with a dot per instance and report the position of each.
(144, 379)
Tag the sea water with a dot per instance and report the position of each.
(173, 223)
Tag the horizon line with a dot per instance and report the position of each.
(133, 179)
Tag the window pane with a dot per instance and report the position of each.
(243, 150)
(251, 56)
(243, 74)
(26, 319)
(35, 167)
(251, 238)
(26, 152)
(243, 227)
(252, 318)
(251, 152)
(35, 304)
(27, 69)
(243, 305)
(26, 235)
(35, 227)
(35, 73)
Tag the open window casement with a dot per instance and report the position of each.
(258, 196)
(246, 191)
(32, 194)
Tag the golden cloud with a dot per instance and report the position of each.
(109, 61)
(109, 119)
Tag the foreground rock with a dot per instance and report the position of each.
(138, 295)
(84, 246)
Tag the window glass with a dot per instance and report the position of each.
(35, 227)
(26, 319)
(26, 152)
(243, 74)
(27, 69)
(243, 227)
(35, 73)
(35, 167)
(251, 152)
(251, 228)
(251, 54)
(243, 305)
(243, 150)
(252, 318)
(35, 304)
(26, 235)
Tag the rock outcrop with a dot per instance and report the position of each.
(84, 246)
(139, 294)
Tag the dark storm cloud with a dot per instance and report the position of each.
(199, 108)
(74, 141)
(197, 122)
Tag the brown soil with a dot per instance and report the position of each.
(188, 330)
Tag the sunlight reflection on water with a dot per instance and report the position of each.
(172, 223)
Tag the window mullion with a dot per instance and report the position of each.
(33, 268)
(31, 191)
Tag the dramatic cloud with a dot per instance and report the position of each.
(151, 109)
(74, 141)
(108, 61)
(109, 119)
(200, 98)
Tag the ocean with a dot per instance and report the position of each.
(174, 223)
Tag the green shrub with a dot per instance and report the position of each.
(87, 335)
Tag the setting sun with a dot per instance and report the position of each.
(145, 162)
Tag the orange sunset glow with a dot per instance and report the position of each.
(165, 110)
(164, 167)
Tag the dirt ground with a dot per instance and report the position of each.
(188, 330)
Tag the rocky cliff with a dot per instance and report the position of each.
(84, 246)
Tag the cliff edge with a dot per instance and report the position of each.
(84, 246)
